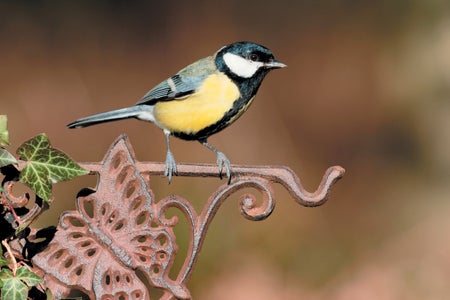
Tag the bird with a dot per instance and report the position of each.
(201, 99)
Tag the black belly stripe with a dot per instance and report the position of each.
(230, 116)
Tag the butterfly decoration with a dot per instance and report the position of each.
(114, 243)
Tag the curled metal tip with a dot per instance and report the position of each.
(292, 183)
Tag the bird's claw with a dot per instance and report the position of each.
(171, 166)
(224, 163)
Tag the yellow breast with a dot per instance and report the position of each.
(204, 108)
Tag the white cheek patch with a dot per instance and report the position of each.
(240, 66)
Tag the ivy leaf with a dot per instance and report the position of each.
(6, 158)
(4, 135)
(49, 294)
(45, 165)
(24, 274)
(4, 261)
(5, 274)
(12, 287)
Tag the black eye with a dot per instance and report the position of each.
(253, 57)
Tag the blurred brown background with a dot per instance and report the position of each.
(367, 87)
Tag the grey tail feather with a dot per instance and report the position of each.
(113, 115)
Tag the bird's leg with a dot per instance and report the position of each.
(171, 164)
(222, 160)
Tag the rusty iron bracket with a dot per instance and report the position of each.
(119, 231)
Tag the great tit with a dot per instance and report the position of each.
(201, 99)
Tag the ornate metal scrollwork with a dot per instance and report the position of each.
(13, 202)
(119, 229)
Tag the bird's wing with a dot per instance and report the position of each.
(182, 84)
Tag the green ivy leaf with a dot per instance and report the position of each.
(5, 274)
(12, 287)
(4, 135)
(4, 261)
(6, 158)
(45, 166)
(24, 274)
(49, 294)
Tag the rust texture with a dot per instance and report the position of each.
(119, 233)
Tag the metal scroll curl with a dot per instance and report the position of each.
(13, 202)
(199, 224)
